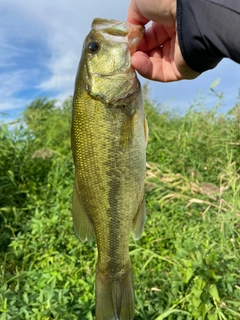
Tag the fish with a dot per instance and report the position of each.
(108, 138)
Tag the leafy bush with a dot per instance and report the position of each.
(186, 265)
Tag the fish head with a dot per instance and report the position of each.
(106, 60)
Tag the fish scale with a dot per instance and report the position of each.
(109, 135)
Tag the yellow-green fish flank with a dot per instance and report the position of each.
(109, 136)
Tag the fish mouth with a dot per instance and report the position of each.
(132, 33)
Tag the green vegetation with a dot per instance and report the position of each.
(187, 263)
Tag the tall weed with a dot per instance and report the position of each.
(186, 265)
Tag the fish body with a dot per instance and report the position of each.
(108, 135)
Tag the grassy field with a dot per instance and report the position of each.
(187, 263)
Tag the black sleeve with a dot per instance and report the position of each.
(208, 30)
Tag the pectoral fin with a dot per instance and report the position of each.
(146, 130)
(139, 220)
(82, 224)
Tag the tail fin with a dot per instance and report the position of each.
(115, 297)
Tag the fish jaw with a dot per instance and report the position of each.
(107, 73)
(133, 33)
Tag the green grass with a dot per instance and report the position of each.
(186, 264)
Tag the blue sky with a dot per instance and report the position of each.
(40, 46)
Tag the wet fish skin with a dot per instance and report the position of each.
(109, 135)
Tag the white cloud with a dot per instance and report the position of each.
(13, 81)
(10, 104)
(58, 27)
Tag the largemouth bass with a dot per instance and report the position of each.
(109, 137)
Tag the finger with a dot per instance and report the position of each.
(135, 16)
(162, 11)
(155, 36)
(155, 67)
(142, 63)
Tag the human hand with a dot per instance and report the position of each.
(159, 56)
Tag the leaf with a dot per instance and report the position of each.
(213, 291)
(215, 83)
(197, 292)
(25, 298)
(188, 274)
(212, 316)
(196, 302)
(167, 313)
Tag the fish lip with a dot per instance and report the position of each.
(110, 27)
(135, 36)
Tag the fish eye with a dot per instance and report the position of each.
(93, 46)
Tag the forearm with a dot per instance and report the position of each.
(208, 30)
